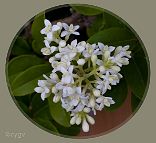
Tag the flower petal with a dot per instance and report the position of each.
(65, 26)
(76, 33)
(76, 27)
(64, 33)
(46, 43)
(39, 89)
(43, 31)
(74, 43)
(80, 48)
(50, 36)
(47, 22)
(53, 48)
(55, 28)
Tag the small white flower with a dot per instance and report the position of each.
(107, 64)
(90, 50)
(119, 60)
(60, 66)
(123, 51)
(51, 48)
(43, 89)
(49, 29)
(103, 85)
(54, 77)
(105, 48)
(70, 30)
(67, 76)
(73, 97)
(46, 51)
(70, 51)
(82, 117)
(104, 101)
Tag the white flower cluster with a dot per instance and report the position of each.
(81, 72)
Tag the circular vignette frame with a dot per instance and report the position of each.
(99, 134)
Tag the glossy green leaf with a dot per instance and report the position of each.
(20, 47)
(24, 108)
(26, 81)
(42, 117)
(96, 26)
(58, 113)
(37, 26)
(118, 93)
(142, 62)
(22, 63)
(112, 36)
(134, 78)
(102, 22)
(112, 21)
(68, 131)
(87, 9)
(37, 103)
(135, 102)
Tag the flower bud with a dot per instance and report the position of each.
(54, 90)
(78, 120)
(102, 69)
(85, 126)
(116, 68)
(106, 54)
(73, 120)
(51, 59)
(86, 109)
(81, 62)
(90, 119)
(46, 51)
(94, 59)
(92, 102)
(56, 98)
(62, 43)
(96, 92)
(54, 76)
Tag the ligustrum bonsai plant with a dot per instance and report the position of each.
(71, 63)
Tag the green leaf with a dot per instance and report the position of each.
(112, 21)
(142, 61)
(58, 113)
(43, 119)
(37, 103)
(118, 93)
(134, 78)
(103, 21)
(20, 47)
(37, 26)
(26, 81)
(20, 64)
(23, 107)
(87, 9)
(96, 26)
(68, 131)
(135, 102)
(112, 36)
